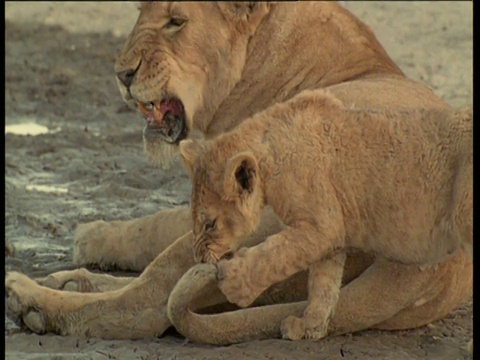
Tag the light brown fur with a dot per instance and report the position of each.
(398, 184)
(256, 57)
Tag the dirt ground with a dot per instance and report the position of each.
(59, 74)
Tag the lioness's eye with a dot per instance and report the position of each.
(174, 22)
(210, 225)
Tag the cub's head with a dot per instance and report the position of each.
(227, 197)
(180, 61)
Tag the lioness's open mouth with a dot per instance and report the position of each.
(165, 120)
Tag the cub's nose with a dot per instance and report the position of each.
(126, 76)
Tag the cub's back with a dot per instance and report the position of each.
(304, 132)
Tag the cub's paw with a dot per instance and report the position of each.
(75, 280)
(22, 305)
(295, 328)
(292, 328)
(233, 282)
(316, 332)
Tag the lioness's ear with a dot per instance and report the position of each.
(189, 151)
(240, 176)
(247, 14)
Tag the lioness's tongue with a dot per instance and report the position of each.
(157, 114)
(171, 106)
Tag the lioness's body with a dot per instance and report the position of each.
(227, 63)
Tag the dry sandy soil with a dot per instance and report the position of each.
(59, 74)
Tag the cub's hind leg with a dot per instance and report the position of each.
(324, 281)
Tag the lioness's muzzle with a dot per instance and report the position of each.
(165, 120)
(172, 131)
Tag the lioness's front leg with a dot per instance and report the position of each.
(83, 280)
(324, 282)
(137, 310)
(129, 245)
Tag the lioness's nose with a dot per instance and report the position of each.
(126, 76)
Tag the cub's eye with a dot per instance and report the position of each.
(210, 225)
(174, 22)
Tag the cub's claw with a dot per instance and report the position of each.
(292, 328)
(295, 328)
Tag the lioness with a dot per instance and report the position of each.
(396, 183)
(205, 67)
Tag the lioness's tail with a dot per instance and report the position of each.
(223, 328)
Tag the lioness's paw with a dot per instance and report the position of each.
(22, 306)
(233, 282)
(75, 280)
(87, 243)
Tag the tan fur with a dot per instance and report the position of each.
(398, 184)
(259, 55)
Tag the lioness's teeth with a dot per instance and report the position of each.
(149, 106)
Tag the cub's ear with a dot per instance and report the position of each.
(247, 14)
(189, 151)
(241, 175)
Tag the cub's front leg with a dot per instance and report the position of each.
(252, 270)
(324, 282)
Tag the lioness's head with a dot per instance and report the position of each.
(180, 61)
(227, 197)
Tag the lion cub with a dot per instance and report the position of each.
(396, 183)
